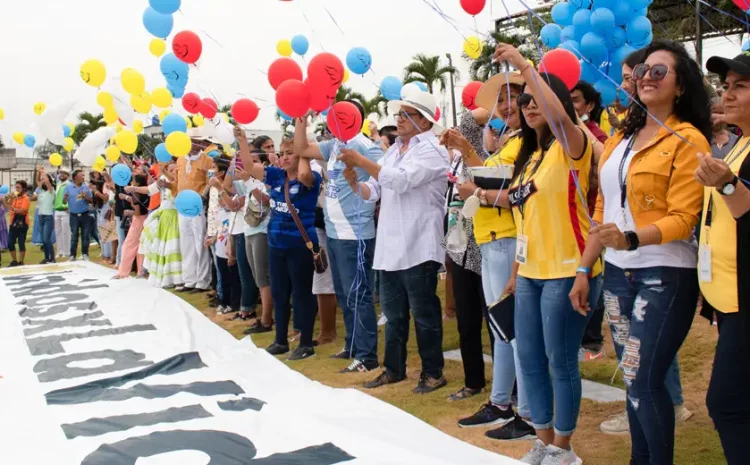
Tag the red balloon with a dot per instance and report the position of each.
(743, 5)
(208, 107)
(473, 7)
(187, 46)
(320, 98)
(437, 114)
(563, 64)
(469, 94)
(283, 69)
(344, 121)
(325, 71)
(244, 111)
(293, 98)
(191, 102)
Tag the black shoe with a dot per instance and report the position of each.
(360, 367)
(342, 355)
(382, 380)
(515, 430)
(277, 349)
(427, 385)
(13, 264)
(301, 353)
(214, 302)
(240, 316)
(464, 393)
(258, 329)
(488, 415)
(197, 290)
(44, 262)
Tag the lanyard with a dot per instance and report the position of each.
(734, 155)
(622, 178)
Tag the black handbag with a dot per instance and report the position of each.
(19, 222)
(501, 317)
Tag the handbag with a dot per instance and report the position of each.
(19, 222)
(501, 317)
(108, 231)
(320, 259)
(255, 212)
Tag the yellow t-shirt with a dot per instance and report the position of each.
(493, 223)
(606, 126)
(721, 237)
(552, 214)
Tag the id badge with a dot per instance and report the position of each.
(704, 263)
(522, 248)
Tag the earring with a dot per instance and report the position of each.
(677, 100)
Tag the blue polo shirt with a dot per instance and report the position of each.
(76, 205)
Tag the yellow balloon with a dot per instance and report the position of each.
(161, 97)
(284, 47)
(138, 126)
(157, 47)
(110, 115)
(132, 81)
(118, 127)
(105, 100)
(72, 128)
(93, 73)
(346, 74)
(2, 114)
(225, 117)
(18, 137)
(39, 108)
(99, 164)
(198, 121)
(178, 144)
(55, 159)
(68, 144)
(112, 141)
(112, 153)
(366, 128)
(164, 114)
(473, 47)
(127, 141)
(189, 122)
(141, 103)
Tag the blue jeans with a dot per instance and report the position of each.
(650, 311)
(80, 227)
(548, 336)
(120, 238)
(497, 265)
(353, 284)
(412, 289)
(291, 272)
(250, 292)
(47, 226)
(219, 289)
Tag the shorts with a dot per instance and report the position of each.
(323, 282)
(256, 249)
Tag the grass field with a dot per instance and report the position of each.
(696, 441)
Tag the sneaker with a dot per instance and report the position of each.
(427, 385)
(85, 258)
(258, 329)
(682, 414)
(277, 349)
(488, 415)
(537, 454)
(382, 321)
(515, 430)
(360, 367)
(13, 264)
(464, 393)
(557, 456)
(343, 354)
(383, 379)
(301, 353)
(71, 259)
(617, 424)
(585, 355)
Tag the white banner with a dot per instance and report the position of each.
(101, 372)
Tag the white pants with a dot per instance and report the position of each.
(196, 265)
(62, 233)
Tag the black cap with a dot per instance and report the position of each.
(721, 66)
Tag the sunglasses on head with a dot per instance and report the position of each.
(524, 100)
(655, 72)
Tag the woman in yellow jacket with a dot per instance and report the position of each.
(647, 208)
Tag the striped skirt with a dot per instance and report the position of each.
(160, 246)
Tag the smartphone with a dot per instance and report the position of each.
(239, 164)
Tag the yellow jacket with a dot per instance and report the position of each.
(661, 186)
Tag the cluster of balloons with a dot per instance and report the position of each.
(299, 45)
(601, 36)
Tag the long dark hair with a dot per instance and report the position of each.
(530, 142)
(693, 107)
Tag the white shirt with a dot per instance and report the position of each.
(411, 188)
(678, 254)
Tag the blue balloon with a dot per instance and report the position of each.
(390, 87)
(609, 4)
(286, 117)
(157, 24)
(589, 72)
(619, 55)
(166, 7)
(189, 203)
(550, 35)
(176, 91)
(29, 140)
(155, 120)
(578, 4)
(572, 46)
(174, 71)
(639, 32)
(325, 112)
(603, 21)
(121, 174)
(173, 123)
(746, 45)
(568, 33)
(562, 14)
(66, 130)
(582, 21)
(594, 47)
(422, 86)
(607, 90)
(623, 13)
(623, 98)
(300, 44)
(4, 189)
(214, 153)
(161, 153)
(359, 60)
(640, 4)
(645, 42)
(615, 73)
(616, 38)
(497, 123)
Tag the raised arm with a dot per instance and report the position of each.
(305, 173)
(303, 147)
(256, 170)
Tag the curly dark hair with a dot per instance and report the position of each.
(695, 109)
(530, 143)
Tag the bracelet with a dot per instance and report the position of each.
(584, 270)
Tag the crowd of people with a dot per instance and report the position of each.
(576, 211)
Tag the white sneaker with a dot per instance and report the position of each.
(382, 321)
(617, 424)
(71, 259)
(537, 454)
(557, 456)
(85, 258)
(682, 414)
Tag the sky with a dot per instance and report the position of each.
(46, 41)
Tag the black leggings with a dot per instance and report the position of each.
(17, 235)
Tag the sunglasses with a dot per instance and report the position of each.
(524, 100)
(655, 72)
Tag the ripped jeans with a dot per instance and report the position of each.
(650, 311)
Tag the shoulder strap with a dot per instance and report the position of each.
(293, 212)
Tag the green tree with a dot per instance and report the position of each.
(87, 123)
(346, 93)
(228, 110)
(146, 146)
(2, 145)
(430, 71)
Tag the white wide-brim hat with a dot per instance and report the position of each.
(199, 134)
(423, 102)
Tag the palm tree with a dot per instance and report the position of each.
(2, 145)
(430, 71)
(87, 123)
(481, 68)
(377, 105)
(346, 93)
(228, 110)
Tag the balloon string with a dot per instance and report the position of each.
(307, 20)
(726, 13)
(712, 27)
(335, 22)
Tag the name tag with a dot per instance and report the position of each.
(704, 263)
(522, 248)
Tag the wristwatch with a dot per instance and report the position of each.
(730, 187)
(633, 241)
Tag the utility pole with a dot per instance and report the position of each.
(698, 35)
(453, 92)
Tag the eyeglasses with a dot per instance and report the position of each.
(524, 100)
(406, 115)
(656, 72)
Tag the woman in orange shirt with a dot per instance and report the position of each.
(18, 204)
